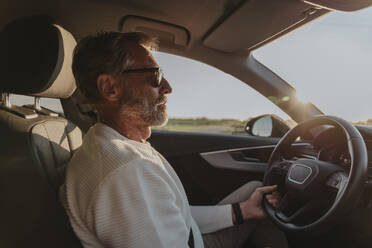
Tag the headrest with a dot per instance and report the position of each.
(36, 58)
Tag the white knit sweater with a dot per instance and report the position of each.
(122, 193)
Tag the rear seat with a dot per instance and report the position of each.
(35, 60)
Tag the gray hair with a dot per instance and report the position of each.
(104, 53)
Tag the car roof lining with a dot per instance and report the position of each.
(205, 19)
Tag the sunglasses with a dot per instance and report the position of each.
(158, 72)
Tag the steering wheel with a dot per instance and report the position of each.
(315, 193)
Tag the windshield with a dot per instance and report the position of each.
(329, 63)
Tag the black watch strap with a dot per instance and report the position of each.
(238, 214)
(191, 239)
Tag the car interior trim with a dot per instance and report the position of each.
(22, 112)
(166, 33)
(248, 36)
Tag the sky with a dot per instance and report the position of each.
(328, 61)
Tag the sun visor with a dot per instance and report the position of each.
(168, 35)
(344, 5)
(257, 21)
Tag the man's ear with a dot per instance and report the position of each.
(109, 87)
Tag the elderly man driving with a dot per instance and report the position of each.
(119, 191)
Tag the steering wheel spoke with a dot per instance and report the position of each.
(291, 208)
(337, 180)
(282, 167)
(295, 214)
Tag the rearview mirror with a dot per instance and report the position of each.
(267, 126)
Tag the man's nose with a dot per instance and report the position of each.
(165, 88)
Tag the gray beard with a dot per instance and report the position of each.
(150, 114)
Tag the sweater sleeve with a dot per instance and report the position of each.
(212, 218)
(135, 207)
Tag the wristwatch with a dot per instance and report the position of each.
(238, 214)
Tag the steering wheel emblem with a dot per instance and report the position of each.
(299, 173)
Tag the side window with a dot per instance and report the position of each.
(49, 103)
(205, 99)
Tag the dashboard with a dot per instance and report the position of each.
(337, 155)
(330, 144)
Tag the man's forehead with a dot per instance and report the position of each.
(142, 57)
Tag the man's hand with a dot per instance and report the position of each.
(252, 208)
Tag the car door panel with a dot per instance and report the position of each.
(249, 159)
(211, 166)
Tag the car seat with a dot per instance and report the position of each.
(35, 143)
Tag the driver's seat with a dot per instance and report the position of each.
(35, 60)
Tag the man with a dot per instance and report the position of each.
(119, 191)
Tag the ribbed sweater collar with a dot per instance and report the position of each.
(99, 126)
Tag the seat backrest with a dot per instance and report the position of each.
(35, 59)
